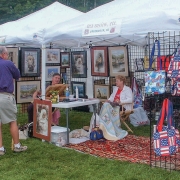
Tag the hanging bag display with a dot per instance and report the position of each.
(138, 98)
(155, 80)
(166, 138)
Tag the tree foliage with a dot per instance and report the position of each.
(14, 9)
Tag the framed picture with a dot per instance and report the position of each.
(65, 59)
(13, 55)
(42, 116)
(118, 61)
(101, 92)
(99, 81)
(25, 90)
(52, 57)
(99, 62)
(79, 64)
(81, 88)
(50, 70)
(30, 62)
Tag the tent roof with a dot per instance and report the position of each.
(136, 19)
(22, 30)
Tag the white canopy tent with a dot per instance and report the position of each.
(30, 29)
(134, 19)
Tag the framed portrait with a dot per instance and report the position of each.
(118, 61)
(30, 62)
(65, 59)
(81, 88)
(42, 116)
(52, 57)
(101, 92)
(99, 61)
(50, 70)
(13, 55)
(25, 90)
(79, 64)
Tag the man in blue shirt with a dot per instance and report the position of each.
(8, 108)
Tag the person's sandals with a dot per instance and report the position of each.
(20, 149)
(2, 152)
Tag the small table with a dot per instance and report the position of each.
(67, 105)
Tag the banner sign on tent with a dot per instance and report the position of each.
(102, 28)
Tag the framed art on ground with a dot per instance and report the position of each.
(79, 64)
(25, 90)
(81, 88)
(99, 62)
(118, 61)
(30, 62)
(13, 55)
(42, 116)
(52, 57)
(65, 59)
(101, 92)
(50, 70)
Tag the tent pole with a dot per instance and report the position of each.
(43, 67)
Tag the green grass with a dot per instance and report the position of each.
(43, 160)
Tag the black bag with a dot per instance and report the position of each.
(30, 129)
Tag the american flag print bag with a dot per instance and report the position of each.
(166, 138)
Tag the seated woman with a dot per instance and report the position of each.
(109, 121)
(55, 112)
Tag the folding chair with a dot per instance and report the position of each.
(124, 114)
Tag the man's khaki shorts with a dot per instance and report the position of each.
(8, 108)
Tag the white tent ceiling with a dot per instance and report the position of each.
(136, 19)
(23, 30)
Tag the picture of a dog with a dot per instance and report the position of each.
(51, 56)
(42, 123)
(79, 65)
(30, 62)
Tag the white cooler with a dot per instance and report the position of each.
(59, 135)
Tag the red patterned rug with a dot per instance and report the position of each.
(135, 149)
(132, 148)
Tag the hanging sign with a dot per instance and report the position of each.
(102, 28)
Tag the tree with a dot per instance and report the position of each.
(12, 10)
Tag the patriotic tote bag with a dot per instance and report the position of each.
(155, 80)
(166, 138)
(138, 98)
(174, 66)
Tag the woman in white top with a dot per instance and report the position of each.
(109, 116)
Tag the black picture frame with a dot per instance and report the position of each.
(30, 62)
(65, 59)
(79, 64)
(81, 88)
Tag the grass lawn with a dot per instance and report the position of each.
(43, 160)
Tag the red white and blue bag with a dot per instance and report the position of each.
(166, 138)
(138, 98)
(174, 66)
(155, 80)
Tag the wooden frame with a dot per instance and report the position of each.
(101, 92)
(81, 88)
(118, 61)
(99, 61)
(52, 57)
(25, 90)
(99, 81)
(50, 70)
(65, 59)
(30, 62)
(79, 64)
(13, 55)
(42, 116)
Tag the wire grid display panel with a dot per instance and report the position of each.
(168, 43)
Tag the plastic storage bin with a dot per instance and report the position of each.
(59, 135)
